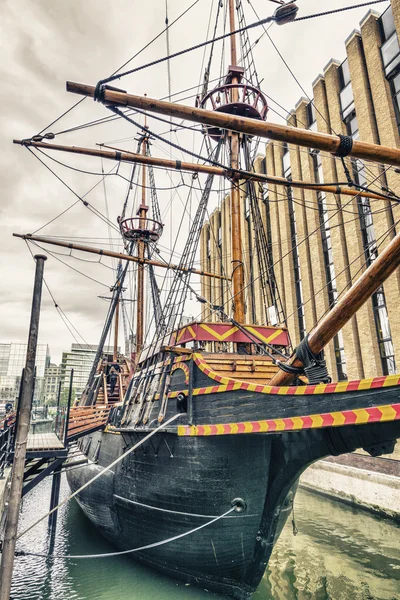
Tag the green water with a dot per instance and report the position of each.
(340, 553)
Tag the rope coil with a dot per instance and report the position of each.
(314, 365)
(345, 146)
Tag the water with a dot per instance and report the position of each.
(340, 553)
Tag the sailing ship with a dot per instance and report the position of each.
(223, 414)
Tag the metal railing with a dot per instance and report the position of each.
(7, 431)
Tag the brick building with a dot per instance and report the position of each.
(319, 243)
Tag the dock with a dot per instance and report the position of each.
(43, 442)
(47, 452)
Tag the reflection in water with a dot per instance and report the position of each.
(340, 553)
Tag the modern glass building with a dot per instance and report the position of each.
(12, 362)
(80, 358)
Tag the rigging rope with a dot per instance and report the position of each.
(132, 550)
(338, 10)
(240, 30)
(60, 312)
(125, 63)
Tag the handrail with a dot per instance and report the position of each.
(7, 431)
(105, 388)
(121, 394)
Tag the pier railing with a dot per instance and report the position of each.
(7, 431)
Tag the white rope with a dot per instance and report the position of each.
(108, 468)
(147, 547)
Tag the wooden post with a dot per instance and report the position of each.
(57, 423)
(54, 499)
(11, 527)
(383, 266)
(273, 131)
(71, 378)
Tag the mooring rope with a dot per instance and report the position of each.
(110, 466)
(120, 553)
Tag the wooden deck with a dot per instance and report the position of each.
(43, 441)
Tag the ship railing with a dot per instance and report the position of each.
(86, 419)
(121, 391)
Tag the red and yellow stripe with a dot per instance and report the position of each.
(228, 384)
(183, 368)
(358, 416)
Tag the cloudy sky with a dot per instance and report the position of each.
(44, 43)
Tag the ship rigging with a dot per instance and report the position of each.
(235, 413)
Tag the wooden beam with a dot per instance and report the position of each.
(383, 266)
(90, 249)
(273, 131)
(126, 156)
(132, 157)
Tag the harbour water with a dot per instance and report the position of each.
(339, 553)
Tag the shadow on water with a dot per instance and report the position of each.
(340, 553)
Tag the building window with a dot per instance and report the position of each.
(395, 89)
(382, 325)
(287, 172)
(311, 116)
(344, 73)
(209, 262)
(272, 311)
(246, 207)
(352, 126)
(346, 93)
(296, 266)
(386, 349)
(221, 296)
(340, 357)
(268, 227)
(390, 49)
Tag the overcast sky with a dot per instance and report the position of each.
(44, 43)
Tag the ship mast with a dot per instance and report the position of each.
(236, 237)
(116, 325)
(143, 208)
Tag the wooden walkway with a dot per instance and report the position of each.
(43, 441)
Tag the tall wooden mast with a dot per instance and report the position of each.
(236, 237)
(143, 208)
(116, 326)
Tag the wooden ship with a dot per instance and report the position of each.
(248, 414)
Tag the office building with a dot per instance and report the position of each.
(319, 243)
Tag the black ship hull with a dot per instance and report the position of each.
(185, 476)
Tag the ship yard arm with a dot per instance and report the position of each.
(146, 261)
(338, 145)
(221, 171)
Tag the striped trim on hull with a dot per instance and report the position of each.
(359, 416)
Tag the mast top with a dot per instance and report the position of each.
(236, 96)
